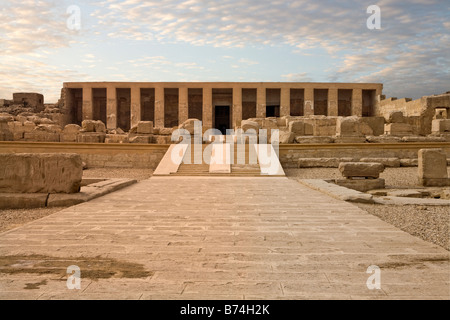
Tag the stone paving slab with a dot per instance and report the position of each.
(218, 238)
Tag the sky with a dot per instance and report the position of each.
(43, 43)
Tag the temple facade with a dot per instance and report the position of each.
(221, 105)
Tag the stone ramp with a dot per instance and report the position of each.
(220, 238)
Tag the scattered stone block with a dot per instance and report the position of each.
(286, 137)
(297, 127)
(350, 140)
(145, 127)
(40, 173)
(163, 139)
(361, 170)
(409, 162)
(362, 185)
(433, 168)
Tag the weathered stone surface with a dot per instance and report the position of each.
(68, 137)
(189, 125)
(51, 128)
(398, 129)
(22, 201)
(361, 170)
(40, 173)
(41, 136)
(93, 126)
(440, 126)
(165, 131)
(376, 124)
(250, 125)
(318, 162)
(383, 139)
(314, 140)
(362, 185)
(28, 126)
(145, 127)
(286, 137)
(352, 127)
(350, 140)
(117, 138)
(91, 137)
(6, 118)
(432, 164)
(387, 162)
(423, 139)
(396, 117)
(163, 139)
(72, 129)
(297, 127)
(144, 139)
(409, 162)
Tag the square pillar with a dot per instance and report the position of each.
(237, 107)
(207, 108)
(183, 112)
(333, 102)
(111, 108)
(309, 102)
(357, 102)
(88, 108)
(285, 102)
(135, 106)
(261, 103)
(159, 107)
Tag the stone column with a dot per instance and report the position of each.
(183, 111)
(357, 102)
(261, 103)
(309, 102)
(159, 107)
(237, 107)
(333, 102)
(88, 107)
(135, 105)
(111, 107)
(207, 108)
(285, 102)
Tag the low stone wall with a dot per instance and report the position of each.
(97, 155)
(405, 153)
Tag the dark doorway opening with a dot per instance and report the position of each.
(222, 118)
(273, 111)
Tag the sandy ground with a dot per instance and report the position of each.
(428, 223)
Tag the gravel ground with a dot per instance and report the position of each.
(10, 219)
(430, 223)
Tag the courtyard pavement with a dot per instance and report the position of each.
(218, 238)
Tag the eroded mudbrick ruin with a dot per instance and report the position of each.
(148, 112)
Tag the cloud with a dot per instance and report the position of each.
(297, 77)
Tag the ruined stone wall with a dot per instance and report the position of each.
(31, 100)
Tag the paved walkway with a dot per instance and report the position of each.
(218, 238)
